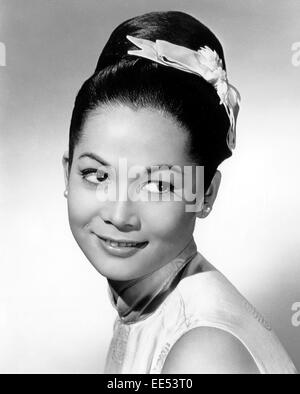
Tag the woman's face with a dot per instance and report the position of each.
(161, 227)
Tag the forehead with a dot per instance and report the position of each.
(143, 136)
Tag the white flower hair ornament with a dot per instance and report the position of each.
(204, 62)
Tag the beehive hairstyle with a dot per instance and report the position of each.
(141, 83)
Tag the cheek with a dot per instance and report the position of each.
(168, 220)
(82, 205)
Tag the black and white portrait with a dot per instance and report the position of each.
(149, 195)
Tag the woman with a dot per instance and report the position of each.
(158, 108)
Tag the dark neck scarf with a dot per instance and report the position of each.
(149, 291)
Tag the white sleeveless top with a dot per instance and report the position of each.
(203, 299)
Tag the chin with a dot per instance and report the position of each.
(111, 266)
(112, 269)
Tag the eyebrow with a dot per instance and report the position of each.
(149, 169)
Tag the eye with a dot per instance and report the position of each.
(94, 176)
(159, 187)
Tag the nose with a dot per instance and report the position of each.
(121, 214)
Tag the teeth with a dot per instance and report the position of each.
(120, 244)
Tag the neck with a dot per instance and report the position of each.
(133, 297)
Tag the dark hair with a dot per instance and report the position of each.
(139, 82)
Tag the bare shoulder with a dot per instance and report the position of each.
(205, 350)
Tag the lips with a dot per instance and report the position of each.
(120, 248)
(122, 243)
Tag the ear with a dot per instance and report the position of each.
(210, 195)
(65, 162)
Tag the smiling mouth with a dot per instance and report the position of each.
(123, 244)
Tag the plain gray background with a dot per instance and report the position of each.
(55, 315)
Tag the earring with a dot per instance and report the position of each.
(66, 193)
(205, 211)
